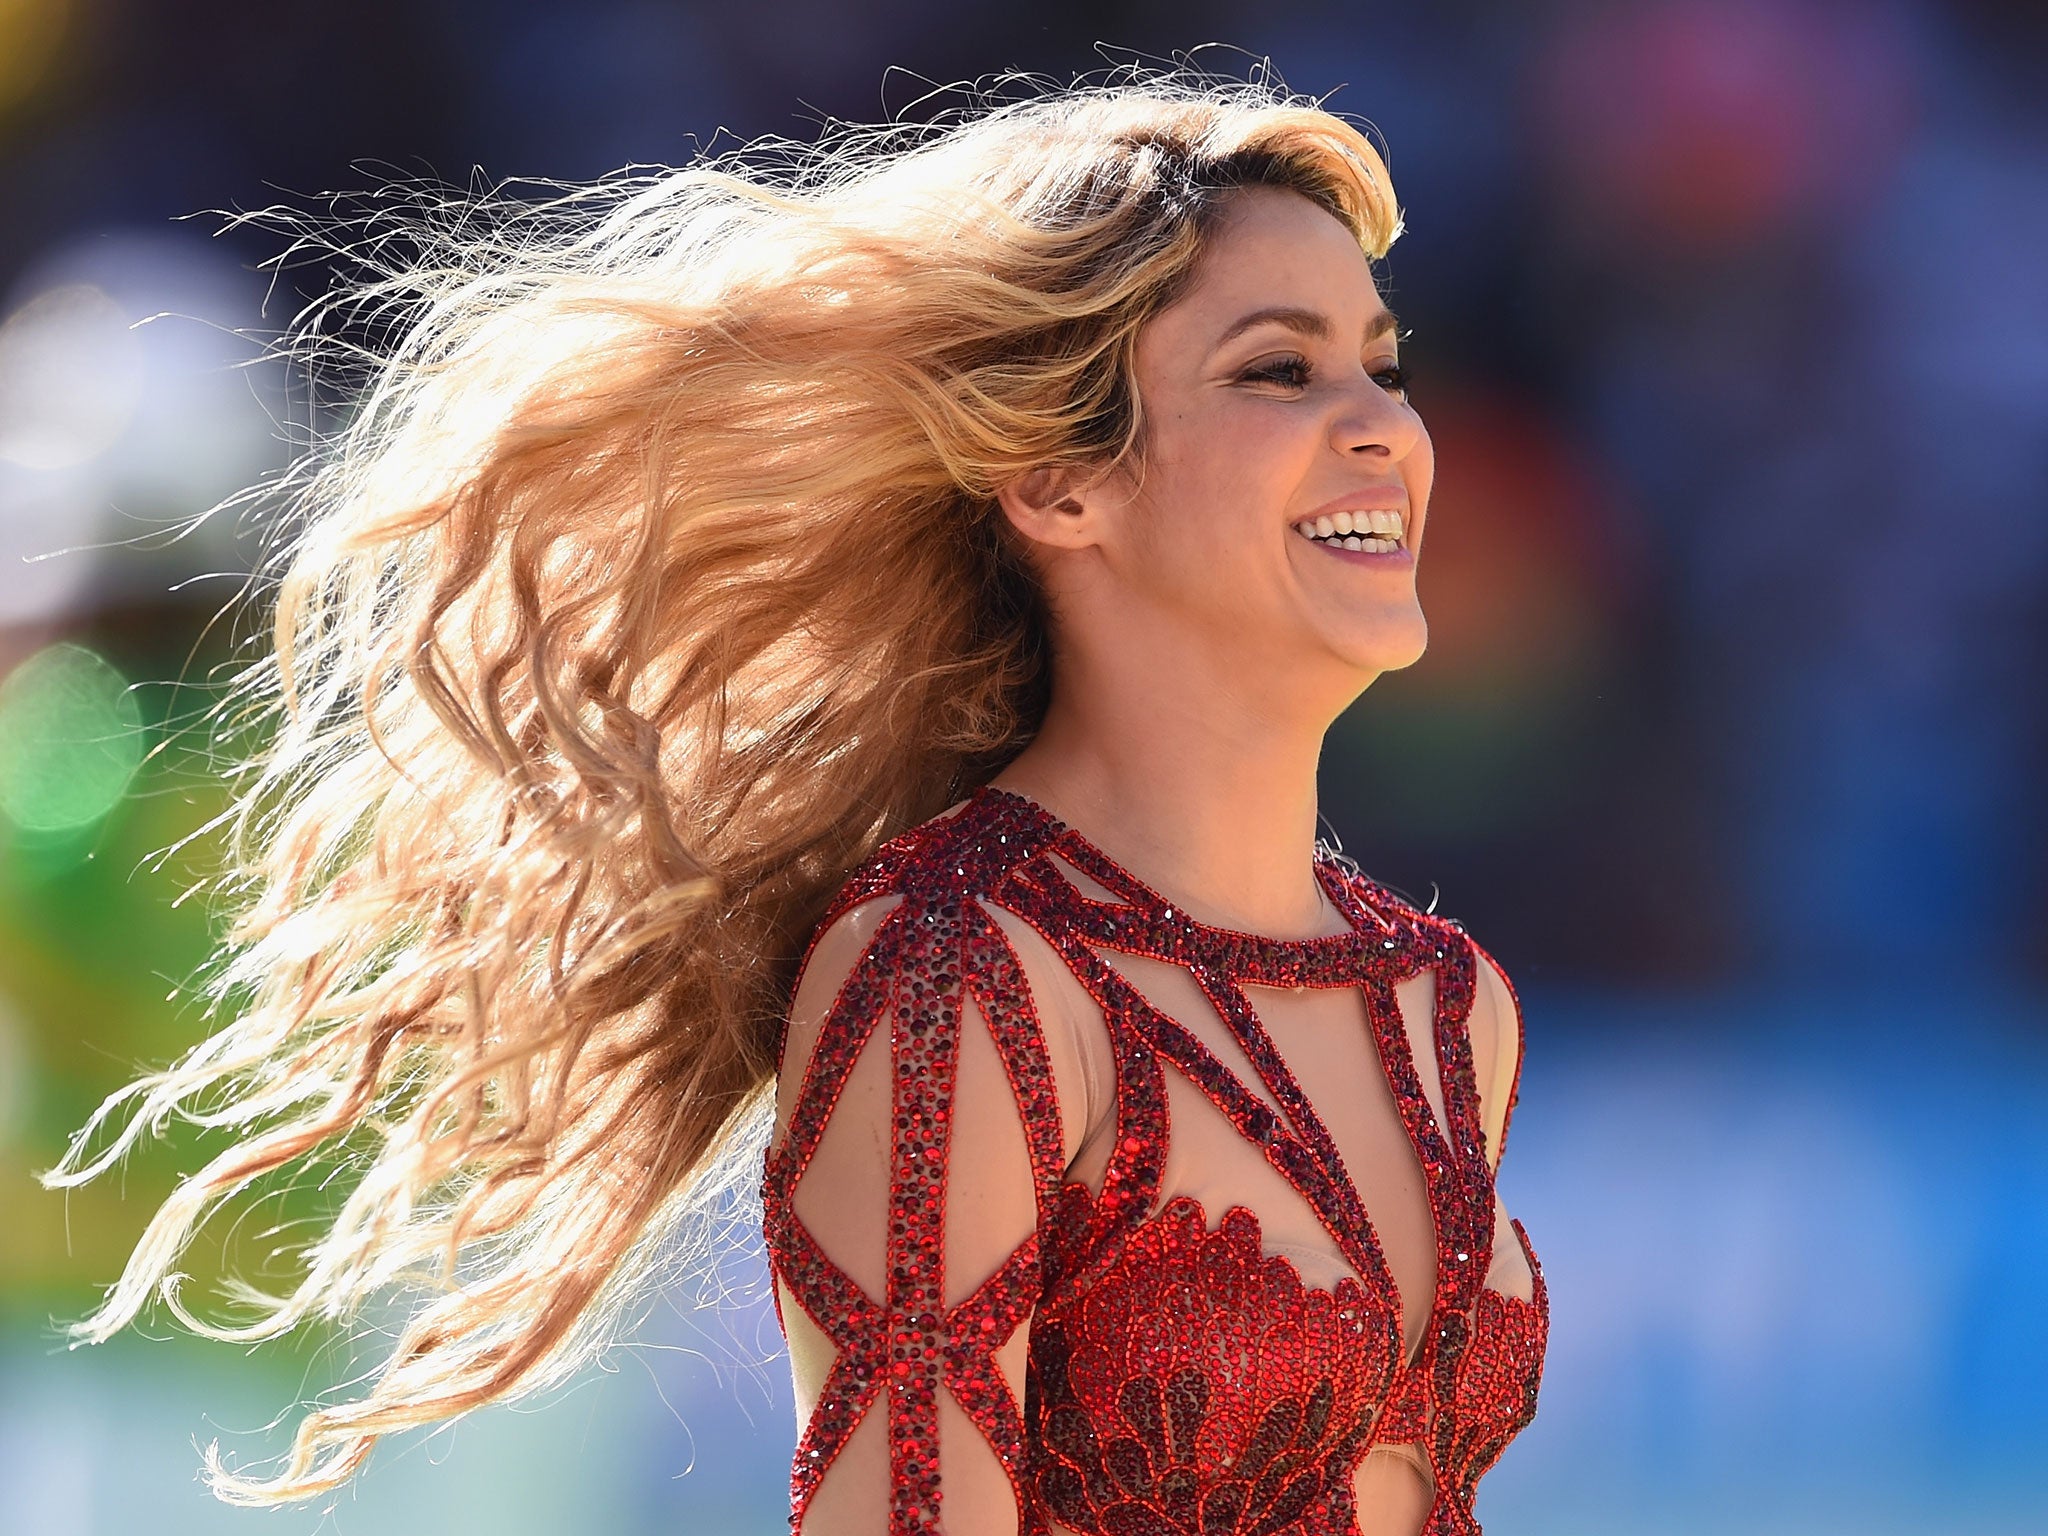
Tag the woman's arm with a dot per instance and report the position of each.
(903, 1204)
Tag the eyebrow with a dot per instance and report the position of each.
(1309, 322)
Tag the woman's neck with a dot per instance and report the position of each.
(1210, 800)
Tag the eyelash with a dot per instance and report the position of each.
(1395, 378)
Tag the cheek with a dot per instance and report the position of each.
(1216, 478)
(1418, 469)
(1221, 476)
(1253, 464)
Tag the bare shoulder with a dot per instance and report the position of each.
(861, 908)
(834, 951)
(953, 873)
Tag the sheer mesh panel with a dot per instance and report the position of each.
(919, 1178)
(1325, 1040)
(947, 1071)
(1496, 1025)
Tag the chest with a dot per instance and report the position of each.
(1347, 1084)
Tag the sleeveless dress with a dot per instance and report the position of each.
(1180, 1378)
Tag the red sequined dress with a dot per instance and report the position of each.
(1014, 1094)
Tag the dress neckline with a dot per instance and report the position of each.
(1234, 958)
(1328, 877)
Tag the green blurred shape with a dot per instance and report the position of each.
(70, 739)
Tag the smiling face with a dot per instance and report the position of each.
(1274, 408)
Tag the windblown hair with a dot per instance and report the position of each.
(656, 578)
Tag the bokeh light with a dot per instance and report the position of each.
(134, 394)
(1698, 126)
(70, 375)
(31, 33)
(70, 740)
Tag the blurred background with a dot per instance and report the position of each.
(1731, 326)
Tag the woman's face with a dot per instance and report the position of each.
(1276, 421)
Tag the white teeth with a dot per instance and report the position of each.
(1375, 532)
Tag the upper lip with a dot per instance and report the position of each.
(1374, 499)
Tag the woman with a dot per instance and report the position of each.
(841, 658)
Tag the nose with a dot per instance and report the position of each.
(1372, 422)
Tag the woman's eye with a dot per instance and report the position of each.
(1292, 371)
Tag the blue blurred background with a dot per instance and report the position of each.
(1731, 325)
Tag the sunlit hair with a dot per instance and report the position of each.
(656, 577)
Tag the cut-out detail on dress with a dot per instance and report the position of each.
(1179, 1378)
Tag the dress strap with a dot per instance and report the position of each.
(1308, 1163)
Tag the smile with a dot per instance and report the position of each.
(1371, 533)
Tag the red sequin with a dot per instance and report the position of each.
(1180, 1381)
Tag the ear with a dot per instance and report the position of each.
(1053, 505)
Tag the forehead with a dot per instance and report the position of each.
(1273, 248)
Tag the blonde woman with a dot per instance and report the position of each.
(828, 662)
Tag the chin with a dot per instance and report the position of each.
(1388, 648)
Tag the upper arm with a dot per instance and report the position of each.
(902, 1201)
(1497, 1043)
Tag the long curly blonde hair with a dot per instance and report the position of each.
(656, 578)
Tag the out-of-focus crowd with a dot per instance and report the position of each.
(1730, 322)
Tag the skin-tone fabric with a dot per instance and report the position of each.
(1038, 1138)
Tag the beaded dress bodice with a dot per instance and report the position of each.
(1180, 1378)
